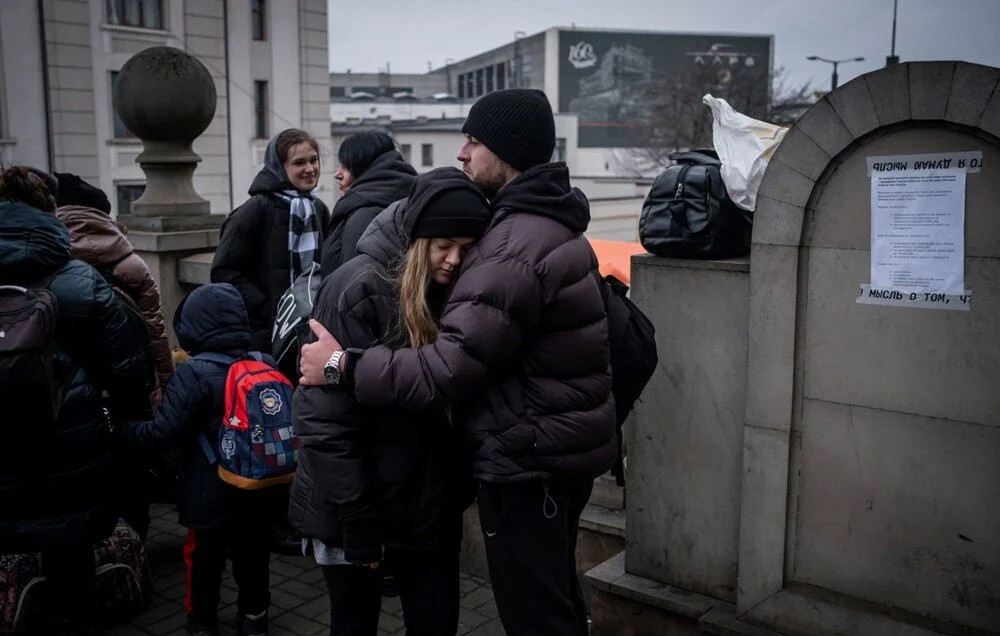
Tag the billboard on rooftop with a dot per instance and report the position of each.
(620, 82)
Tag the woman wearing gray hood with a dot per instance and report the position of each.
(277, 233)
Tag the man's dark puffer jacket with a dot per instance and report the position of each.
(211, 318)
(59, 490)
(369, 477)
(388, 179)
(522, 353)
(253, 250)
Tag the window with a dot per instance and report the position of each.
(489, 79)
(525, 71)
(560, 151)
(135, 13)
(118, 126)
(426, 154)
(407, 151)
(461, 86)
(257, 27)
(501, 76)
(479, 82)
(469, 85)
(126, 194)
(260, 109)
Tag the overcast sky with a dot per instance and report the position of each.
(364, 35)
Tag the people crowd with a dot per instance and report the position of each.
(459, 352)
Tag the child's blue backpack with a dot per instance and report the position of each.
(257, 446)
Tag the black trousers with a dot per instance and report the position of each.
(205, 553)
(428, 589)
(530, 530)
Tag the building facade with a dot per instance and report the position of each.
(59, 61)
(625, 88)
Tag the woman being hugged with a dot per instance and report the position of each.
(277, 233)
(386, 485)
(372, 174)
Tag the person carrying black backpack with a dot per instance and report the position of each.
(63, 341)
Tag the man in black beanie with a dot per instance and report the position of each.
(522, 357)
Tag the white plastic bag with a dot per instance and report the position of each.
(744, 145)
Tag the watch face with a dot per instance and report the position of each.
(331, 373)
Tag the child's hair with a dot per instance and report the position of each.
(414, 279)
(24, 185)
(358, 152)
(293, 137)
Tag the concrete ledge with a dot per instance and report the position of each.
(624, 604)
(723, 622)
(741, 264)
(174, 241)
(607, 493)
(196, 269)
(804, 609)
(612, 578)
(603, 520)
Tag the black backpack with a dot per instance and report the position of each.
(136, 323)
(688, 213)
(631, 337)
(291, 321)
(28, 384)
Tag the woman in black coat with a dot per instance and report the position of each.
(378, 485)
(55, 477)
(273, 237)
(372, 174)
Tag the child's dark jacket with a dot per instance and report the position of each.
(212, 318)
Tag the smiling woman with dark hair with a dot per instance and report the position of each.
(273, 237)
(372, 174)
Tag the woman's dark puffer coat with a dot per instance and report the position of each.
(60, 489)
(388, 179)
(253, 252)
(522, 353)
(367, 476)
(211, 318)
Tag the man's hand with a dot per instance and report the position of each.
(314, 355)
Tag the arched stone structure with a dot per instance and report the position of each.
(871, 467)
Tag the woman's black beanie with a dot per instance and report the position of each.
(449, 205)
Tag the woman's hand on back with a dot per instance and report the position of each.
(314, 356)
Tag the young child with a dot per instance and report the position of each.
(220, 518)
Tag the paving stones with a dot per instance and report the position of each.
(299, 604)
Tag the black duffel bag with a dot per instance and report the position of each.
(688, 213)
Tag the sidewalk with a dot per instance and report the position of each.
(299, 604)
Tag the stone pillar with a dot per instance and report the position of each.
(167, 98)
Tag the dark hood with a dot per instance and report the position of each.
(33, 244)
(388, 179)
(213, 318)
(389, 235)
(544, 190)
(272, 177)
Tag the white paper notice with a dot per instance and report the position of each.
(918, 231)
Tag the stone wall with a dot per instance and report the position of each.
(865, 498)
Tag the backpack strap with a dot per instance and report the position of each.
(218, 358)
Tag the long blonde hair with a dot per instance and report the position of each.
(414, 276)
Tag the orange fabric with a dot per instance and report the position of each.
(615, 258)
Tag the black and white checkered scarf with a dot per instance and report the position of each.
(303, 230)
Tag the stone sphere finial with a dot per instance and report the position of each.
(165, 94)
(166, 97)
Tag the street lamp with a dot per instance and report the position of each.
(833, 80)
